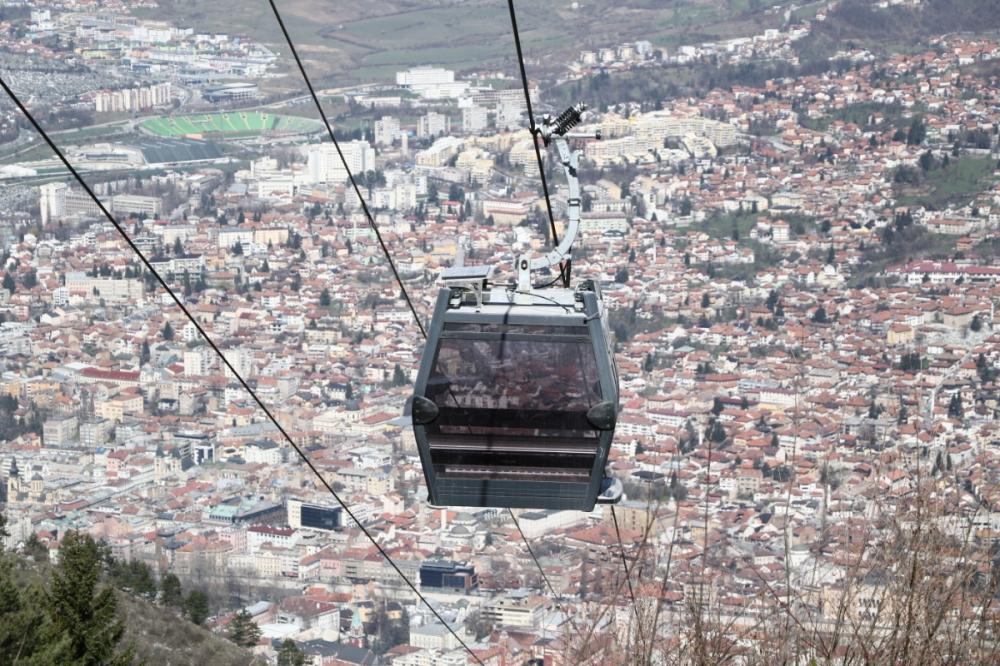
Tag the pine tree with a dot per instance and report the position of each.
(82, 610)
(243, 630)
(8, 283)
(196, 606)
(289, 654)
(24, 628)
(324, 298)
(170, 591)
(168, 332)
(144, 354)
(955, 410)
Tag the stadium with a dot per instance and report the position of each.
(232, 124)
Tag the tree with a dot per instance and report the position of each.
(81, 609)
(30, 279)
(289, 654)
(820, 315)
(196, 606)
(955, 409)
(168, 332)
(705, 300)
(242, 630)
(917, 132)
(170, 591)
(237, 249)
(35, 549)
(831, 256)
(178, 247)
(144, 354)
(685, 207)
(621, 275)
(399, 377)
(24, 627)
(976, 325)
(324, 298)
(8, 283)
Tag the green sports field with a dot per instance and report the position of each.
(231, 123)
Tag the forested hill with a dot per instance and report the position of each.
(74, 614)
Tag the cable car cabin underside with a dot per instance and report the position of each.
(516, 400)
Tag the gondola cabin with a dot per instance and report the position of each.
(515, 403)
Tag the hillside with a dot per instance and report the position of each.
(350, 43)
(55, 614)
(162, 637)
(860, 23)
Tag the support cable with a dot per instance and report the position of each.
(628, 577)
(552, 590)
(563, 272)
(354, 183)
(211, 343)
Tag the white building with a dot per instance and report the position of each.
(324, 164)
(387, 131)
(432, 82)
(433, 124)
(474, 119)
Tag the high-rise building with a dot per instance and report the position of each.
(387, 131)
(433, 125)
(324, 165)
(474, 119)
(58, 200)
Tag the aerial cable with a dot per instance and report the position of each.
(354, 183)
(563, 268)
(552, 590)
(628, 578)
(211, 343)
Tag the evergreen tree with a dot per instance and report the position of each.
(955, 409)
(170, 591)
(35, 549)
(144, 354)
(30, 279)
(242, 630)
(820, 315)
(81, 609)
(196, 606)
(289, 654)
(238, 249)
(178, 247)
(324, 298)
(168, 332)
(8, 283)
(399, 377)
(24, 626)
(977, 324)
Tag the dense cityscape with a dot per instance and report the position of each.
(802, 276)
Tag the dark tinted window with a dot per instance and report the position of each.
(530, 386)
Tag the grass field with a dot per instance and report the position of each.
(233, 123)
(955, 185)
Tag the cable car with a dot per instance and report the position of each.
(516, 399)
